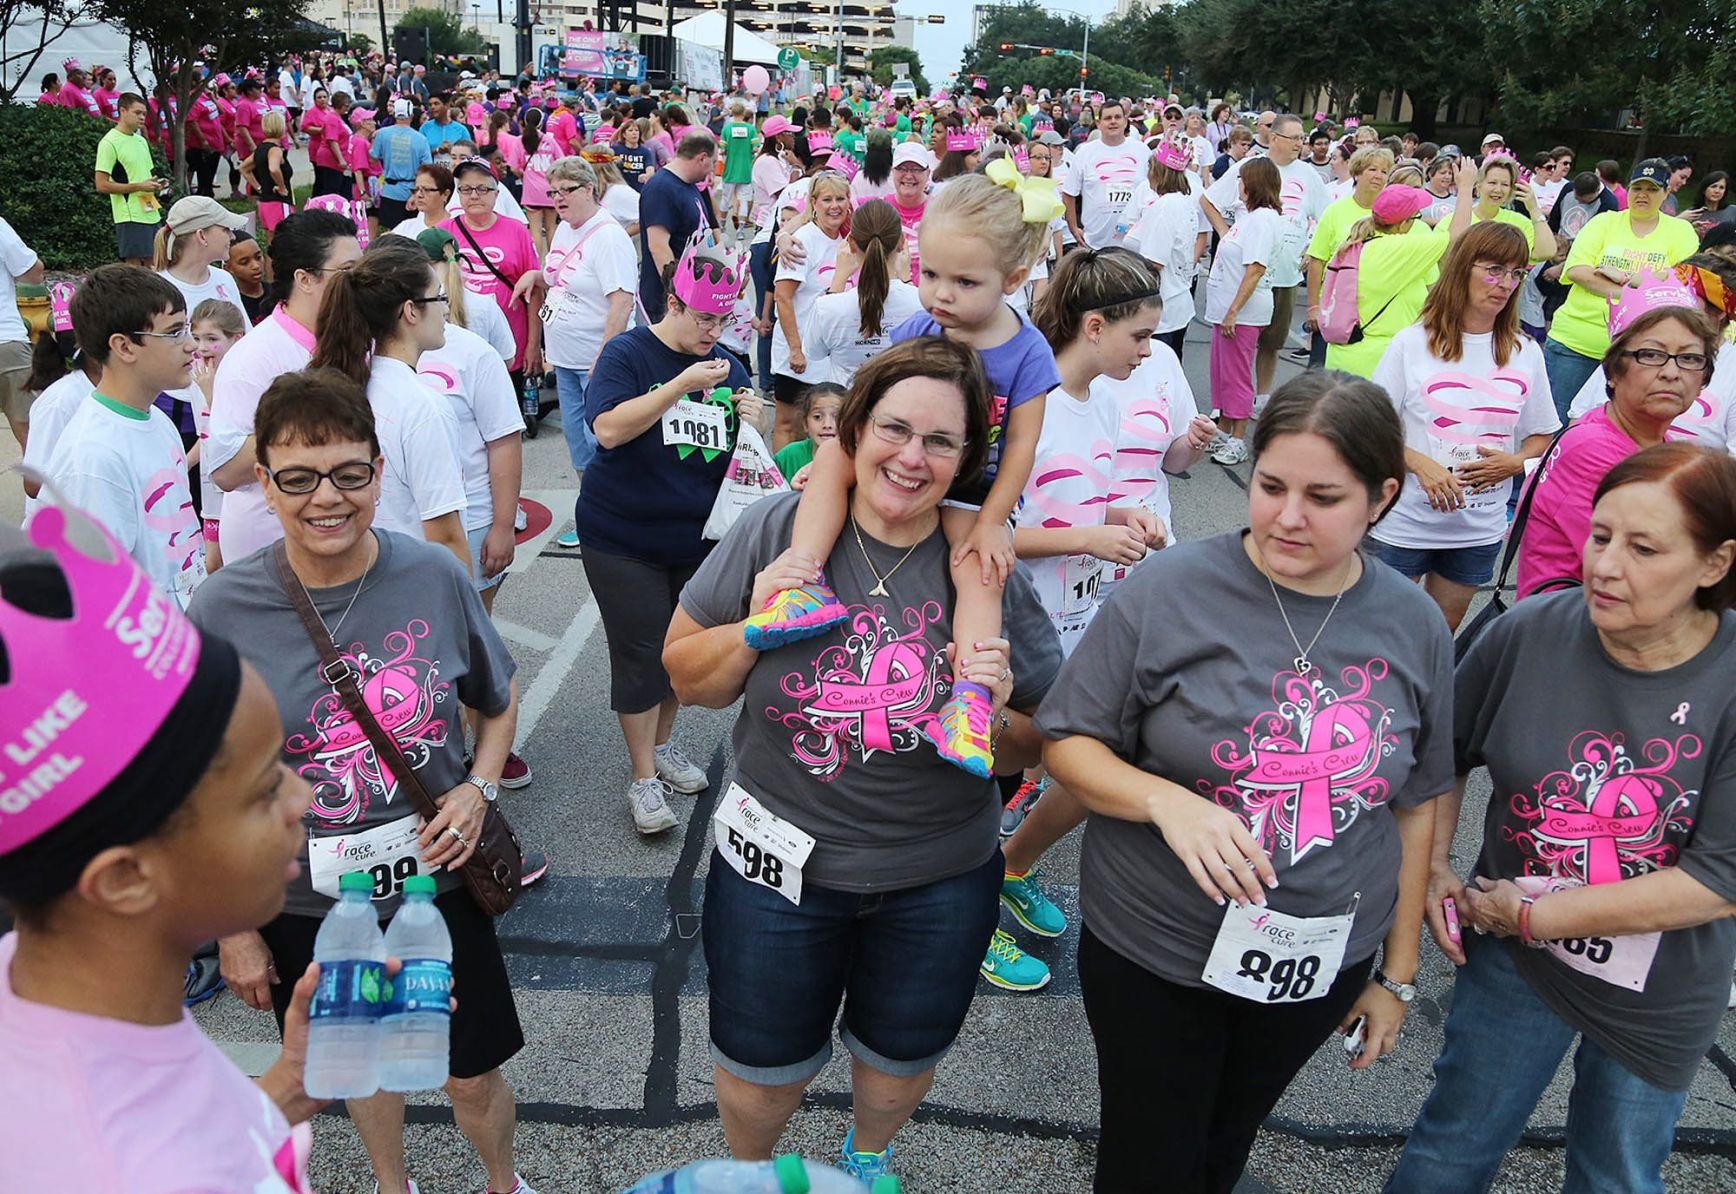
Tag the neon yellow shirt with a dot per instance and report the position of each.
(1607, 239)
(1334, 227)
(1392, 281)
(1523, 223)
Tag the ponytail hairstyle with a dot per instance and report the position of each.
(498, 123)
(164, 249)
(441, 249)
(303, 241)
(532, 135)
(364, 305)
(1115, 282)
(876, 230)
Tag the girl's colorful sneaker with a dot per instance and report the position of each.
(794, 614)
(961, 734)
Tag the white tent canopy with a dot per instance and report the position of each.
(707, 30)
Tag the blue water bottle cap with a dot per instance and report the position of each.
(792, 1174)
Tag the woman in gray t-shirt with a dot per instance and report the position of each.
(1607, 721)
(1256, 722)
(854, 864)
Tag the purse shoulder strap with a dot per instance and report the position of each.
(338, 672)
(1523, 515)
(480, 255)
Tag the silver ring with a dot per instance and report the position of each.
(459, 836)
(1005, 672)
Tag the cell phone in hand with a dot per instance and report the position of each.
(1353, 1038)
(1450, 912)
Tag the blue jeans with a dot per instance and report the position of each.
(1568, 371)
(1503, 1045)
(570, 389)
(760, 264)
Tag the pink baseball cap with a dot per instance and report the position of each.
(1395, 205)
(775, 125)
(1655, 290)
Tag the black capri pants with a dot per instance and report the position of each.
(636, 600)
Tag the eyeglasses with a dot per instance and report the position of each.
(476, 192)
(1657, 358)
(1296, 137)
(426, 190)
(355, 474)
(1494, 273)
(432, 298)
(899, 433)
(180, 331)
(584, 186)
(711, 322)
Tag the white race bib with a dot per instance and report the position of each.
(690, 424)
(1080, 577)
(389, 853)
(559, 304)
(1623, 961)
(1118, 197)
(1271, 957)
(761, 846)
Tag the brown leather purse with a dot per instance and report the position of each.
(491, 874)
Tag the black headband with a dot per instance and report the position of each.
(1132, 296)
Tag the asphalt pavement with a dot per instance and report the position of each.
(615, 1080)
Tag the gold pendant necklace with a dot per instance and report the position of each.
(879, 590)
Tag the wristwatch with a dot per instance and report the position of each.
(490, 792)
(1405, 991)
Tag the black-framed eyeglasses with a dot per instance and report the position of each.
(1657, 358)
(476, 192)
(181, 331)
(1296, 137)
(442, 297)
(583, 186)
(354, 474)
(898, 433)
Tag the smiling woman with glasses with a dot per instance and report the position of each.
(831, 738)
(497, 253)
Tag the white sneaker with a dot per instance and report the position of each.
(651, 812)
(412, 1188)
(679, 771)
(1260, 401)
(519, 1185)
(520, 520)
(1231, 451)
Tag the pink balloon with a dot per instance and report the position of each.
(755, 79)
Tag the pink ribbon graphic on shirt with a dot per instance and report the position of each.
(1145, 435)
(1058, 471)
(896, 680)
(1624, 808)
(1491, 403)
(1339, 748)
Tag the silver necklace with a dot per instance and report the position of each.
(879, 590)
(332, 631)
(1301, 662)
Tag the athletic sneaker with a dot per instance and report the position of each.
(1260, 401)
(516, 773)
(651, 812)
(961, 734)
(520, 520)
(1020, 806)
(568, 539)
(1030, 907)
(519, 1186)
(1011, 968)
(678, 771)
(534, 865)
(411, 1188)
(794, 614)
(1232, 451)
(864, 1167)
(203, 981)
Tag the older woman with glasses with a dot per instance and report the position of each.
(664, 402)
(429, 195)
(499, 260)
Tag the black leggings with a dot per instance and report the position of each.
(1187, 1074)
(202, 165)
(330, 181)
(1174, 339)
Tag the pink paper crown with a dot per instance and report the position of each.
(1042, 124)
(86, 693)
(1174, 155)
(961, 141)
(68, 65)
(1022, 159)
(846, 165)
(1656, 290)
(818, 141)
(708, 278)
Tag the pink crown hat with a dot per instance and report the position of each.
(819, 142)
(1654, 291)
(68, 65)
(961, 141)
(708, 278)
(1174, 155)
(67, 731)
(846, 165)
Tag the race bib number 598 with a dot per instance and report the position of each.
(761, 846)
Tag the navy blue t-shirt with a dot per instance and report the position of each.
(633, 160)
(674, 203)
(645, 500)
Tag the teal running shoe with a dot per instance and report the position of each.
(864, 1167)
(1011, 968)
(1030, 907)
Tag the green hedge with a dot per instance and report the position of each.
(48, 193)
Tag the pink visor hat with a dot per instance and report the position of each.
(708, 278)
(66, 732)
(1654, 291)
(1174, 154)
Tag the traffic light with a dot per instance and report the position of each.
(1045, 51)
(1084, 71)
(1006, 47)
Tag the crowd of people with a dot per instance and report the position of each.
(958, 325)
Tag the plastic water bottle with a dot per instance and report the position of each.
(343, 1030)
(416, 1027)
(786, 1175)
(530, 403)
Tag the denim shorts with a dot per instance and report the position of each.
(903, 963)
(478, 581)
(1461, 565)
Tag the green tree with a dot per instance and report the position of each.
(359, 43)
(446, 31)
(880, 66)
(173, 38)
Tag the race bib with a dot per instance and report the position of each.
(559, 304)
(148, 201)
(689, 424)
(1118, 197)
(388, 853)
(1454, 456)
(1080, 579)
(1271, 957)
(761, 846)
(1624, 961)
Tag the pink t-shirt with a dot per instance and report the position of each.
(1554, 539)
(511, 150)
(510, 248)
(275, 346)
(328, 138)
(105, 1107)
(564, 127)
(75, 97)
(910, 217)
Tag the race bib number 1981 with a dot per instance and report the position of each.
(690, 424)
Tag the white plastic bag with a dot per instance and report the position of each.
(751, 476)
